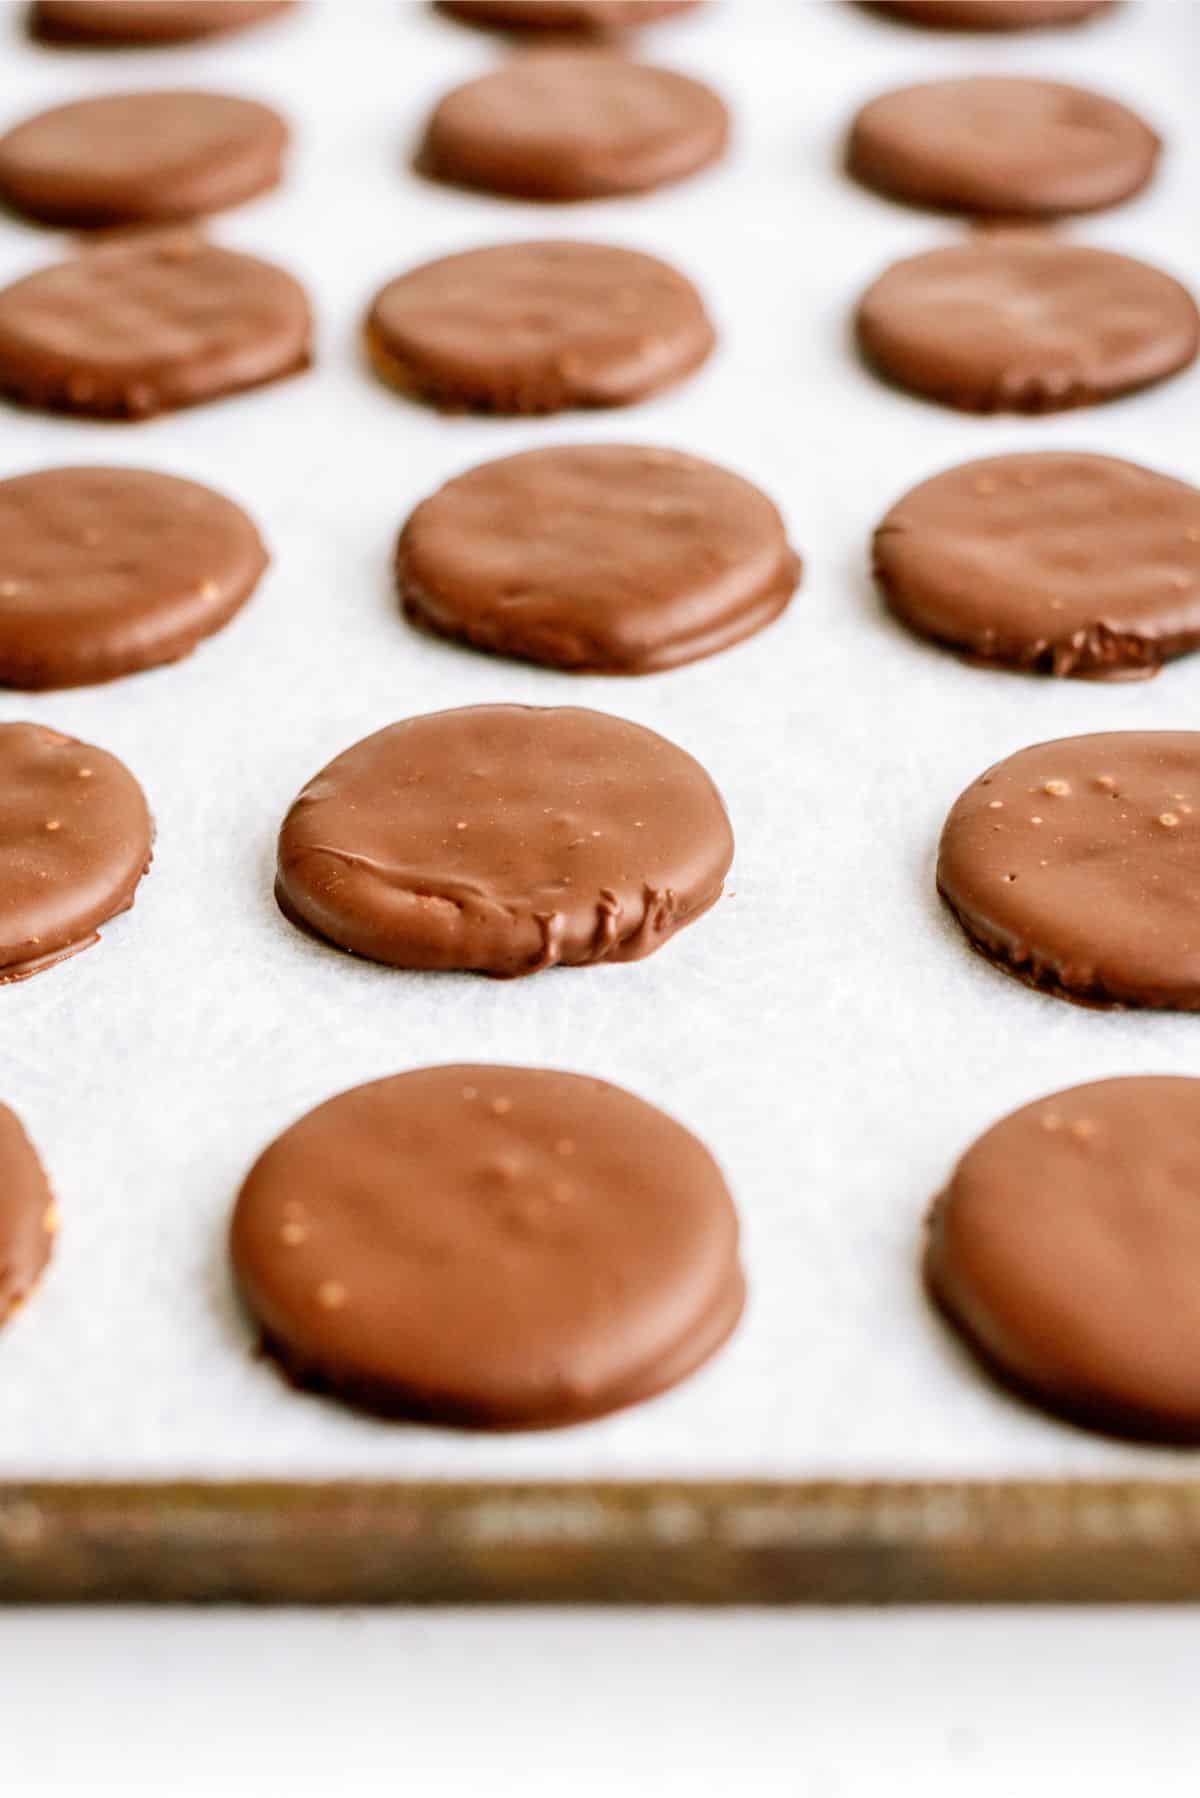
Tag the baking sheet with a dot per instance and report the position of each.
(825, 1029)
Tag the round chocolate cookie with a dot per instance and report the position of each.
(1026, 325)
(605, 558)
(538, 327)
(133, 23)
(130, 329)
(1002, 145)
(132, 158)
(574, 125)
(75, 839)
(594, 18)
(1063, 562)
(504, 839)
(1066, 1249)
(28, 1215)
(991, 15)
(497, 1248)
(1076, 866)
(105, 571)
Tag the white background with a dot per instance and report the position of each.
(522, 1705)
(824, 1029)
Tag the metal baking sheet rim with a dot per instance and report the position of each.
(632, 1542)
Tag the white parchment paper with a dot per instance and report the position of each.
(825, 1029)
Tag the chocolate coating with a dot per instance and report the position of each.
(538, 327)
(992, 15)
(498, 1248)
(75, 839)
(133, 23)
(505, 839)
(592, 18)
(1026, 325)
(28, 1216)
(608, 558)
(1076, 866)
(574, 125)
(1066, 1249)
(105, 571)
(132, 158)
(1062, 562)
(1002, 145)
(131, 329)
